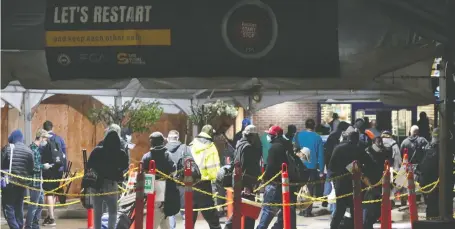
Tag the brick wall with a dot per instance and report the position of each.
(284, 114)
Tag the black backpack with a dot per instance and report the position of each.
(298, 172)
(389, 153)
(195, 172)
(53, 154)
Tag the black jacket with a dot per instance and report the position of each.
(123, 146)
(277, 156)
(373, 168)
(163, 161)
(333, 140)
(249, 157)
(22, 163)
(109, 160)
(344, 154)
(428, 168)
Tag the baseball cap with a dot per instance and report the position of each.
(41, 133)
(250, 129)
(275, 130)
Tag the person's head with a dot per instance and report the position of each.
(250, 133)
(423, 115)
(414, 130)
(116, 128)
(156, 140)
(359, 124)
(435, 136)
(48, 126)
(292, 130)
(173, 136)
(245, 123)
(335, 116)
(378, 142)
(310, 124)
(41, 137)
(351, 135)
(274, 132)
(373, 124)
(342, 126)
(386, 134)
(208, 129)
(111, 141)
(15, 137)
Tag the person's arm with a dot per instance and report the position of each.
(63, 145)
(31, 163)
(145, 162)
(320, 155)
(272, 164)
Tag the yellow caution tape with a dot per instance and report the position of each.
(80, 175)
(55, 205)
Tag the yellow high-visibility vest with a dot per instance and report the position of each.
(206, 158)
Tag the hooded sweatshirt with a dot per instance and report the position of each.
(391, 144)
(109, 151)
(176, 149)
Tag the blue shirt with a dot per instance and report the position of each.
(313, 142)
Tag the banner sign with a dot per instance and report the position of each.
(111, 39)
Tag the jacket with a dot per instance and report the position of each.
(332, 141)
(343, 155)
(176, 150)
(123, 146)
(428, 167)
(277, 156)
(111, 151)
(206, 156)
(372, 168)
(22, 163)
(396, 155)
(163, 161)
(414, 144)
(249, 157)
(312, 141)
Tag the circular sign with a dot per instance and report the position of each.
(250, 29)
(63, 60)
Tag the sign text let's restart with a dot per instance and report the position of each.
(101, 14)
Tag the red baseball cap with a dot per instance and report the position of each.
(275, 130)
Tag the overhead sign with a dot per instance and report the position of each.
(103, 39)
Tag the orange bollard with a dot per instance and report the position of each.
(237, 187)
(139, 210)
(386, 206)
(90, 219)
(286, 197)
(229, 197)
(358, 211)
(149, 187)
(188, 195)
(412, 197)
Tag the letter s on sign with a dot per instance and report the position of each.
(122, 58)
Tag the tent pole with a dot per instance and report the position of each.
(27, 118)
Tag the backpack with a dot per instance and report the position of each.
(389, 152)
(419, 152)
(195, 172)
(297, 171)
(53, 154)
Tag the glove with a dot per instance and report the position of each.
(47, 166)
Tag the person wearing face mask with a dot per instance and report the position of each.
(207, 159)
(34, 211)
(163, 162)
(273, 192)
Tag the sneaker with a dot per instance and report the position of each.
(51, 222)
(46, 221)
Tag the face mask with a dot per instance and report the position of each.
(43, 143)
(269, 139)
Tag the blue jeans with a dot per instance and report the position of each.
(13, 204)
(34, 211)
(273, 194)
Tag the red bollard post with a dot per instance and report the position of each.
(405, 158)
(139, 210)
(286, 197)
(358, 211)
(188, 195)
(412, 197)
(229, 196)
(90, 219)
(386, 206)
(149, 189)
(237, 186)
